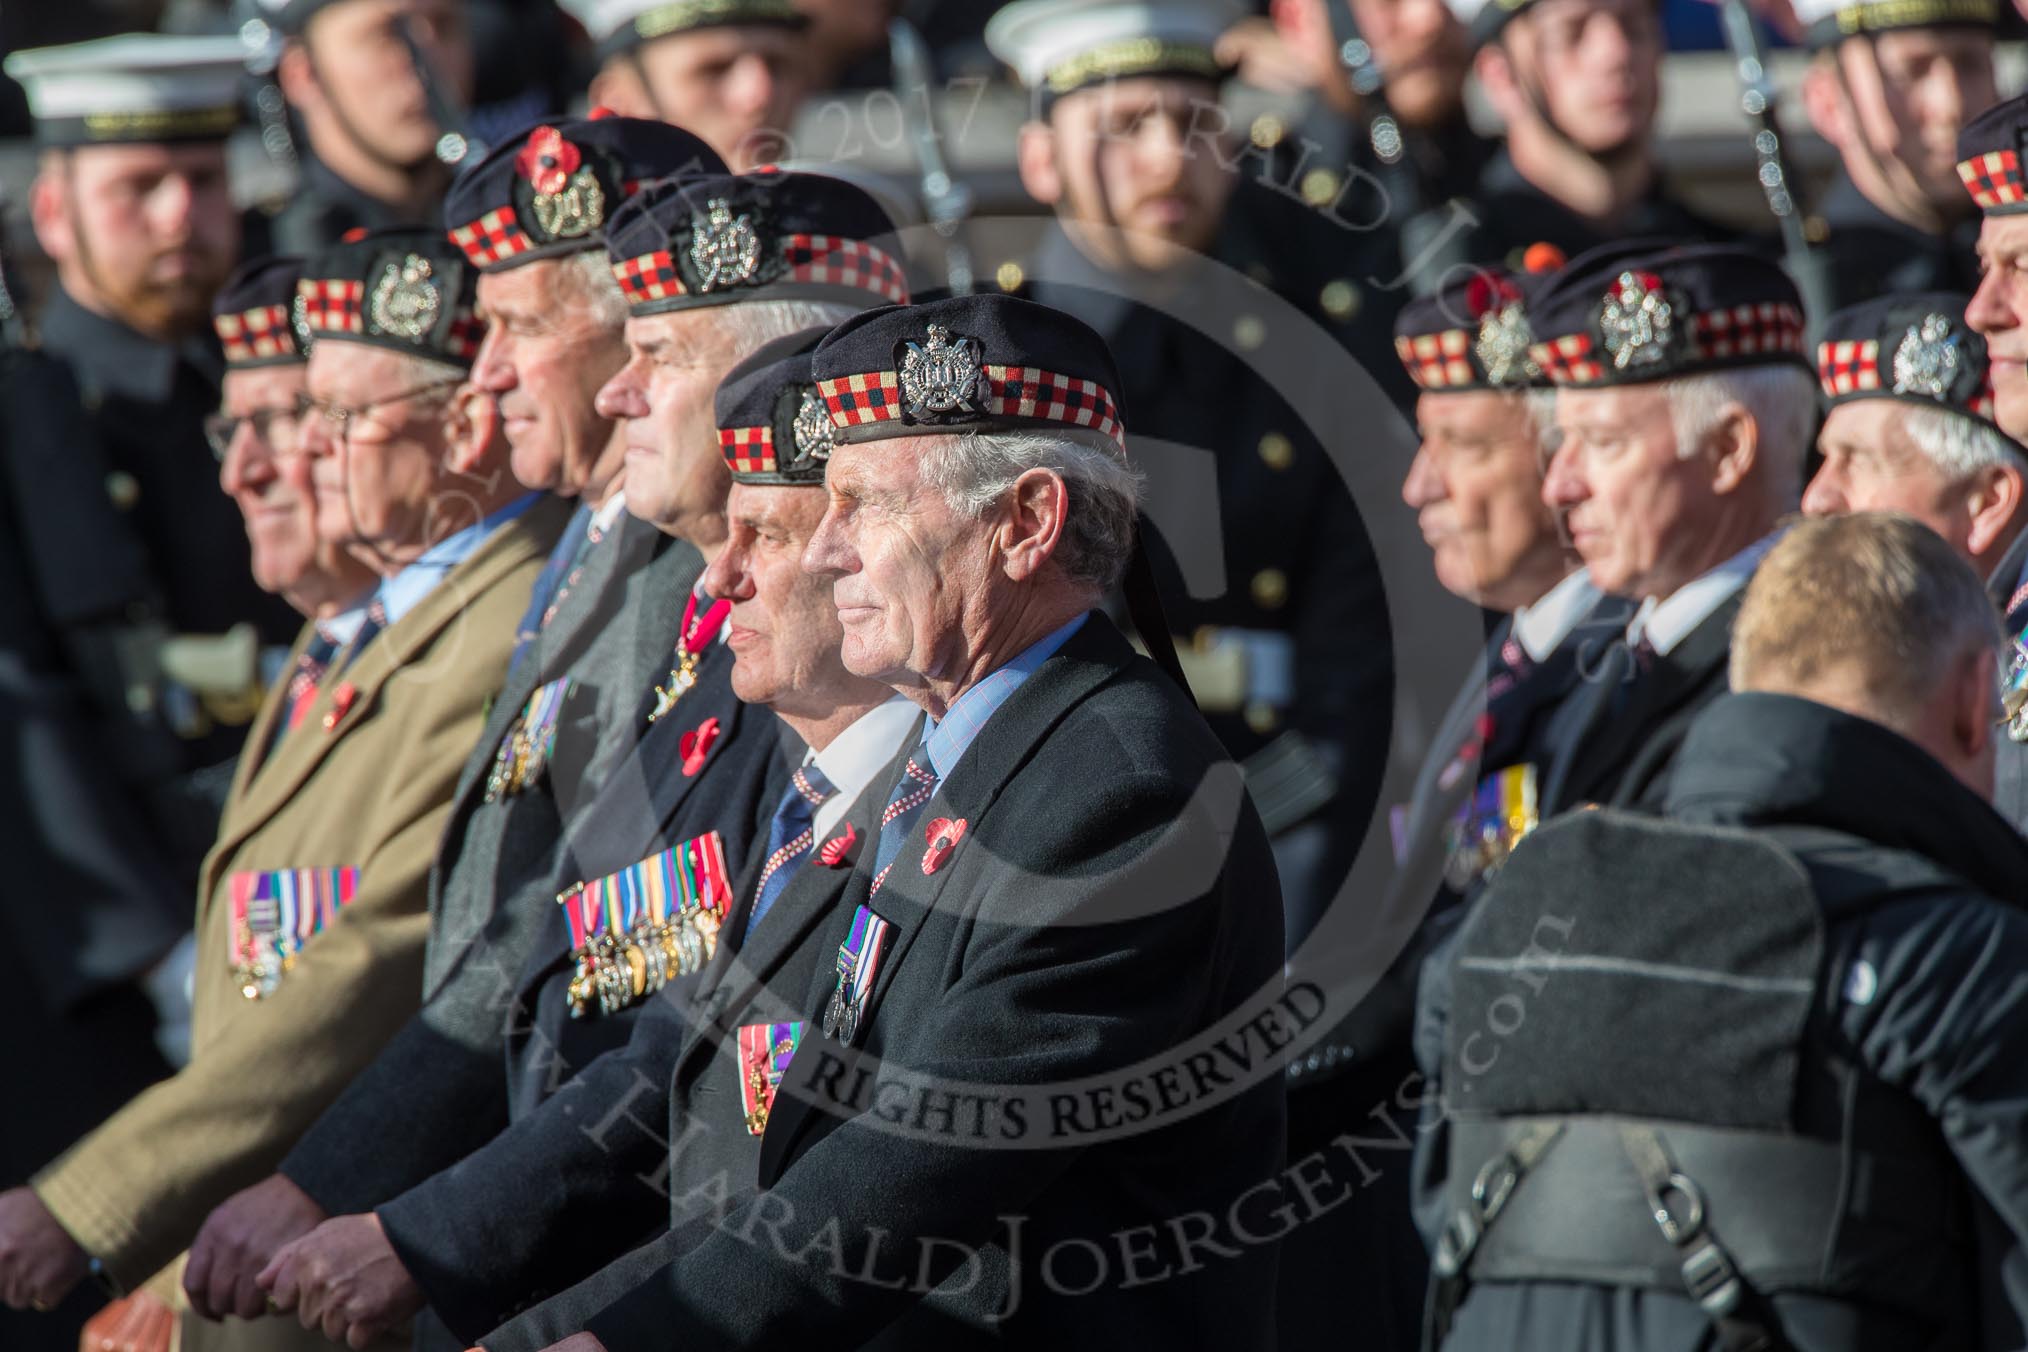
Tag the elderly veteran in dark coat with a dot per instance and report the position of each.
(1909, 428)
(593, 634)
(1780, 1101)
(1067, 895)
(1684, 406)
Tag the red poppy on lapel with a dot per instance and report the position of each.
(341, 700)
(696, 745)
(943, 835)
(837, 851)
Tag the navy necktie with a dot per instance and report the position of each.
(549, 583)
(376, 620)
(904, 807)
(789, 838)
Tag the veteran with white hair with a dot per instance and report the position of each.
(1684, 408)
(1066, 892)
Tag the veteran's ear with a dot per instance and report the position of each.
(1036, 508)
(473, 430)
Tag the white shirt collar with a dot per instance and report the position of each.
(1667, 622)
(1540, 628)
(607, 513)
(859, 753)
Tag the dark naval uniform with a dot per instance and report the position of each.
(181, 557)
(1511, 213)
(1871, 254)
(116, 538)
(1867, 252)
(1396, 190)
(321, 208)
(91, 901)
(1818, 986)
(1289, 657)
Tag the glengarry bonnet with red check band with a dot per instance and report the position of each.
(987, 363)
(550, 190)
(251, 315)
(726, 239)
(773, 428)
(1990, 152)
(1472, 335)
(406, 289)
(1644, 310)
(1914, 349)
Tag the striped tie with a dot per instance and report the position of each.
(789, 837)
(311, 664)
(914, 790)
(376, 620)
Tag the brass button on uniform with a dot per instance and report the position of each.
(124, 489)
(1340, 300)
(1270, 589)
(1276, 451)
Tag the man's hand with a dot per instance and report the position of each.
(239, 1239)
(577, 1342)
(344, 1279)
(39, 1261)
(143, 1322)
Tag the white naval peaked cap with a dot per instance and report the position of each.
(1828, 22)
(1056, 46)
(136, 87)
(620, 25)
(1483, 19)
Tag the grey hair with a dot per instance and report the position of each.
(588, 277)
(415, 370)
(1780, 398)
(974, 469)
(1957, 445)
(747, 326)
(1542, 424)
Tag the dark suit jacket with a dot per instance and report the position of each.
(648, 804)
(1614, 740)
(474, 1234)
(436, 1092)
(786, 969)
(1113, 899)
(92, 899)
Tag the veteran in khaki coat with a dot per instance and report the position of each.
(349, 803)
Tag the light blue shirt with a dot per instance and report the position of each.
(960, 725)
(407, 589)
